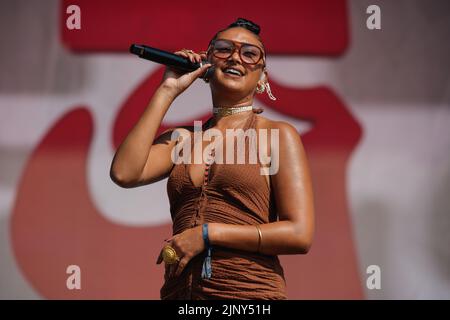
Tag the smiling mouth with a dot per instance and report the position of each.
(232, 72)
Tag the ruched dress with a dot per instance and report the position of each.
(232, 194)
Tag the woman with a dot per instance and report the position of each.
(229, 221)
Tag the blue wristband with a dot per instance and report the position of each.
(205, 234)
(206, 269)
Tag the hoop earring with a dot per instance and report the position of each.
(260, 88)
(269, 92)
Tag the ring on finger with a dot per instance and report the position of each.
(170, 255)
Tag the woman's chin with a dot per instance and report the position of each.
(229, 82)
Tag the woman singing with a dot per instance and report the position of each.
(230, 221)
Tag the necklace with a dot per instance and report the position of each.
(226, 111)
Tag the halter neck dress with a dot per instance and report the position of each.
(232, 194)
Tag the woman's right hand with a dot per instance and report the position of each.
(176, 81)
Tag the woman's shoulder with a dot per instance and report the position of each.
(267, 123)
(286, 132)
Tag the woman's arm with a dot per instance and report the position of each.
(292, 234)
(139, 159)
(292, 188)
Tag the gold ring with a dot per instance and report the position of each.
(169, 255)
(187, 50)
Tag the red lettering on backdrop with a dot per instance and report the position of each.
(55, 224)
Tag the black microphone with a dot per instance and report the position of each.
(164, 57)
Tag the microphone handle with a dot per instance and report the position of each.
(164, 57)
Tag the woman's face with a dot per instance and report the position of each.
(246, 83)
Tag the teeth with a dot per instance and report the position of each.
(233, 71)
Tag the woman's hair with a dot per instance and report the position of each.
(243, 23)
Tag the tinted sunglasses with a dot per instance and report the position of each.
(223, 49)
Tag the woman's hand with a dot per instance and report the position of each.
(176, 81)
(187, 244)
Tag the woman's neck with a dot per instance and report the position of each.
(230, 121)
(228, 101)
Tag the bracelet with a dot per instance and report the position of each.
(206, 269)
(259, 238)
(205, 234)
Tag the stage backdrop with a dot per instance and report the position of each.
(372, 107)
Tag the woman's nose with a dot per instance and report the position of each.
(235, 56)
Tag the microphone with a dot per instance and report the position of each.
(166, 58)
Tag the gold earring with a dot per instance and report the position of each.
(269, 92)
(260, 88)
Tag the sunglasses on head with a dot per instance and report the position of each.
(223, 49)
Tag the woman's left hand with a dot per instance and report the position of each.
(187, 244)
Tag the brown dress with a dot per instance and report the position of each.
(234, 194)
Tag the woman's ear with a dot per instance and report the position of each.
(264, 77)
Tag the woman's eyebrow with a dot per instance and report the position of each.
(238, 41)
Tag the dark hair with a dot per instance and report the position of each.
(243, 23)
(247, 24)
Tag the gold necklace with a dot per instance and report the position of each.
(226, 111)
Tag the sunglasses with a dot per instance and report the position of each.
(223, 49)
